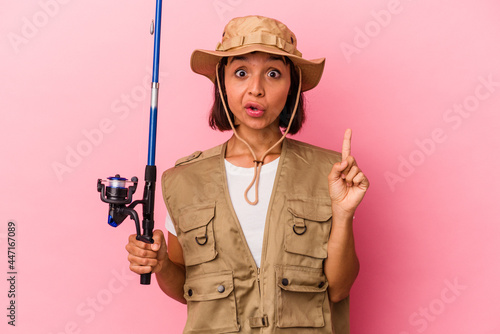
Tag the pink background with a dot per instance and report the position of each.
(397, 73)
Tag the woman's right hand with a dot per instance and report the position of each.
(147, 258)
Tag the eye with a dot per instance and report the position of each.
(240, 73)
(274, 74)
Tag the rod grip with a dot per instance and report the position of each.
(146, 279)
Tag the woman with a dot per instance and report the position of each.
(282, 259)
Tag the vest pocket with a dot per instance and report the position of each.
(211, 303)
(301, 294)
(308, 227)
(197, 233)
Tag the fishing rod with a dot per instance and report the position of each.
(117, 191)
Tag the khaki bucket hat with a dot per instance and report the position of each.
(247, 34)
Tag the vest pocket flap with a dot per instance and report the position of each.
(196, 216)
(211, 303)
(301, 279)
(300, 289)
(308, 225)
(310, 209)
(209, 287)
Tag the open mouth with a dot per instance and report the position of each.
(254, 110)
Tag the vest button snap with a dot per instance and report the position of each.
(221, 288)
(321, 284)
(190, 292)
(284, 281)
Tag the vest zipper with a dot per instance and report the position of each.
(258, 280)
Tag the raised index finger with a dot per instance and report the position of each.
(346, 145)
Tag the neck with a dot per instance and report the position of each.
(260, 141)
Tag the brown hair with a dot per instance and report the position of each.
(218, 119)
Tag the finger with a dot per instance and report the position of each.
(346, 145)
(141, 261)
(140, 269)
(159, 240)
(358, 179)
(350, 163)
(336, 171)
(351, 174)
(141, 252)
(145, 267)
(132, 240)
(361, 181)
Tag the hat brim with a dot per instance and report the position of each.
(204, 62)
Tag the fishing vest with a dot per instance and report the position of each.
(225, 290)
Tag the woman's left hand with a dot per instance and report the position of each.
(347, 184)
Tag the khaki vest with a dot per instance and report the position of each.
(225, 290)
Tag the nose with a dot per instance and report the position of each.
(255, 86)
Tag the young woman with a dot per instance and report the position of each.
(260, 227)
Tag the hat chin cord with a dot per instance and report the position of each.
(258, 163)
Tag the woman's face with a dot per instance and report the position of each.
(257, 86)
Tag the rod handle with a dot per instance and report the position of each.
(146, 279)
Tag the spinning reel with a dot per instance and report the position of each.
(117, 192)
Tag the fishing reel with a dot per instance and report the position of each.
(117, 191)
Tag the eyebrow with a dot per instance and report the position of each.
(271, 58)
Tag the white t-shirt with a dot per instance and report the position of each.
(252, 218)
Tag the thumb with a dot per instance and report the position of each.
(337, 169)
(158, 240)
